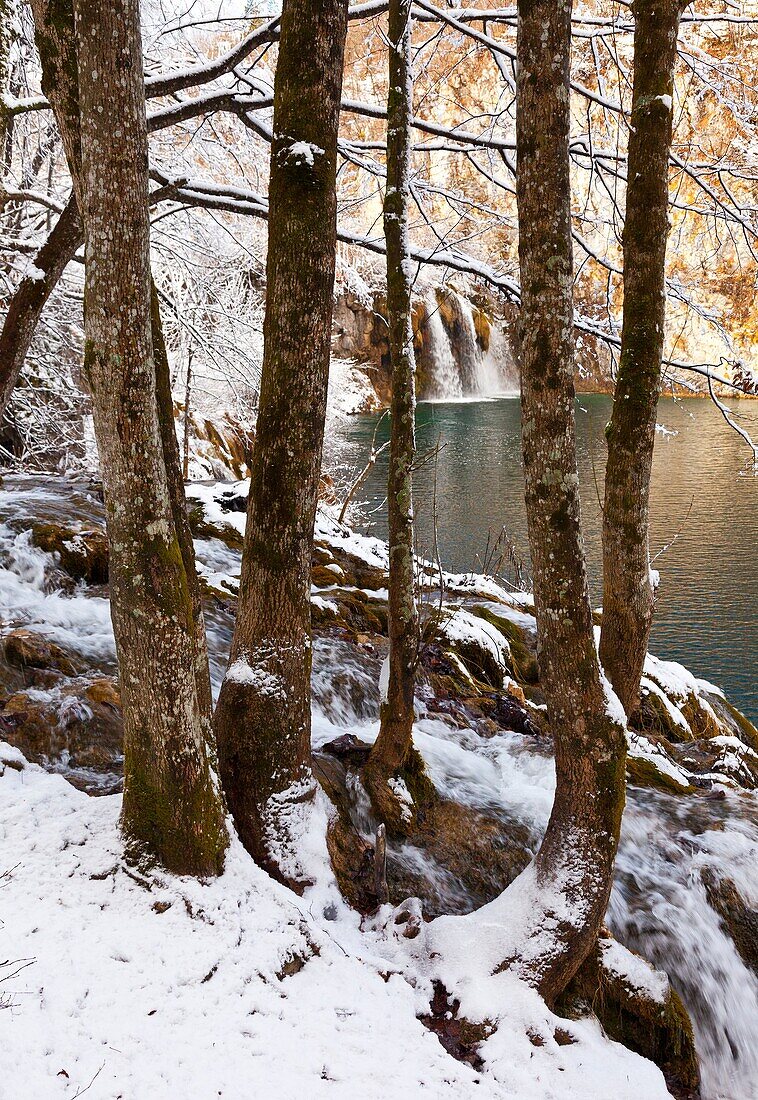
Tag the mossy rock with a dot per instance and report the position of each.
(78, 721)
(483, 328)
(26, 649)
(645, 768)
(734, 721)
(82, 554)
(202, 529)
(642, 772)
(654, 719)
(477, 657)
(525, 668)
(477, 852)
(701, 719)
(657, 1027)
(326, 575)
(739, 919)
(357, 613)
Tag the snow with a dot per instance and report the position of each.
(257, 677)
(36, 274)
(462, 626)
(635, 971)
(384, 680)
(145, 984)
(302, 152)
(613, 707)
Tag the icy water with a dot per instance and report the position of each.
(704, 509)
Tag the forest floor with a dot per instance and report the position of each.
(144, 985)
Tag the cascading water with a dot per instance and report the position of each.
(457, 365)
(445, 378)
(670, 843)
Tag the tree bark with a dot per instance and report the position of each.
(263, 717)
(395, 740)
(628, 592)
(573, 870)
(170, 444)
(31, 295)
(172, 807)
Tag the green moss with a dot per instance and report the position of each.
(644, 773)
(525, 669)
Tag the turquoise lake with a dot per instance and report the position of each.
(704, 514)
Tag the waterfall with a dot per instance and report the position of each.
(444, 380)
(459, 359)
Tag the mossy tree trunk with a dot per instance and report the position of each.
(172, 460)
(263, 717)
(573, 870)
(628, 592)
(172, 807)
(54, 32)
(395, 740)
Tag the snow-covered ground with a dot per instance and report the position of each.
(152, 986)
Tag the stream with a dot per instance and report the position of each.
(659, 905)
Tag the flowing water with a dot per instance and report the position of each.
(659, 905)
(704, 515)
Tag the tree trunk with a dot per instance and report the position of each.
(395, 740)
(263, 718)
(172, 807)
(628, 592)
(29, 299)
(572, 873)
(54, 32)
(170, 445)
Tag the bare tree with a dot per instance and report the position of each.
(573, 870)
(172, 806)
(395, 740)
(263, 717)
(628, 592)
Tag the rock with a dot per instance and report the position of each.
(719, 758)
(740, 921)
(648, 764)
(28, 650)
(523, 650)
(77, 724)
(465, 858)
(482, 647)
(637, 1007)
(201, 528)
(82, 554)
(351, 855)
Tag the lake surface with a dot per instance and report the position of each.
(704, 508)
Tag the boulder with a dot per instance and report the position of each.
(82, 554)
(76, 724)
(739, 918)
(30, 651)
(636, 1006)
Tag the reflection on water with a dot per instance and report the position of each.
(703, 498)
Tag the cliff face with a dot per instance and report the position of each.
(463, 346)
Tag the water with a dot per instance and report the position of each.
(703, 508)
(659, 905)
